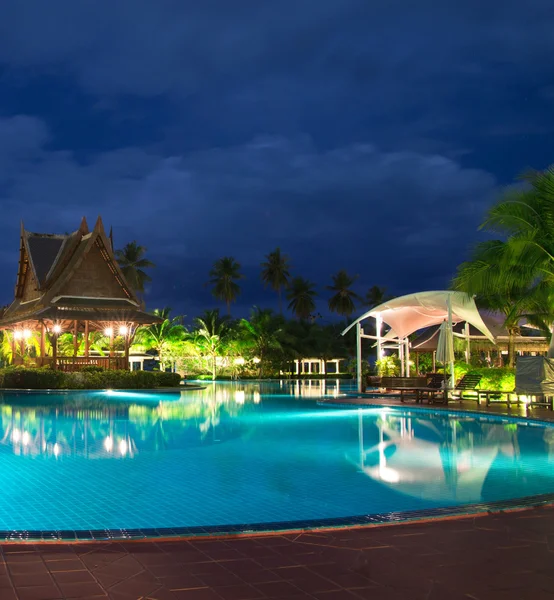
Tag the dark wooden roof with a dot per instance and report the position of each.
(72, 276)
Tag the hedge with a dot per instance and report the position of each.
(46, 378)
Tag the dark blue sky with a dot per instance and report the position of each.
(352, 134)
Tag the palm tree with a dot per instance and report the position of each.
(132, 263)
(210, 336)
(275, 273)
(263, 333)
(375, 296)
(223, 277)
(342, 301)
(162, 337)
(521, 264)
(301, 294)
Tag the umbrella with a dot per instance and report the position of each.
(445, 349)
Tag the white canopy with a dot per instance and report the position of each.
(407, 314)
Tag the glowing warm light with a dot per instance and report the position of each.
(239, 397)
(26, 334)
(56, 449)
(16, 435)
(25, 438)
(57, 329)
(17, 334)
(123, 447)
(108, 331)
(123, 330)
(108, 443)
(256, 360)
(239, 361)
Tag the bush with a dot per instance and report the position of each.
(36, 379)
(87, 379)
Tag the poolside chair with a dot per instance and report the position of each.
(466, 388)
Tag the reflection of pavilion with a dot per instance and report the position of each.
(91, 434)
(451, 469)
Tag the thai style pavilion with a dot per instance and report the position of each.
(71, 284)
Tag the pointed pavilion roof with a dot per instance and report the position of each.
(71, 276)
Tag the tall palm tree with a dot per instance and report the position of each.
(375, 296)
(275, 273)
(210, 336)
(522, 263)
(263, 333)
(342, 301)
(223, 277)
(162, 337)
(132, 263)
(301, 294)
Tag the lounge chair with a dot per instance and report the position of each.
(465, 389)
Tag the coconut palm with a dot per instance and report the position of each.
(210, 336)
(132, 263)
(375, 296)
(263, 334)
(275, 273)
(342, 301)
(162, 337)
(301, 294)
(223, 277)
(522, 264)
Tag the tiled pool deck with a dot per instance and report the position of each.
(504, 556)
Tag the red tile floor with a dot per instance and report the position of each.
(495, 557)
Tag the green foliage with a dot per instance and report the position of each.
(388, 366)
(501, 379)
(46, 378)
(132, 263)
(223, 278)
(343, 300)
(301, 295)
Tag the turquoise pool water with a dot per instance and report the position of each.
(249, 453)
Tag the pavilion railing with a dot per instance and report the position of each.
(76, 363)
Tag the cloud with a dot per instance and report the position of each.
(379, 214)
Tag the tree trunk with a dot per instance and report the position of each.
(550, 353)
(511, 347)
(280, 302)
(228, 307)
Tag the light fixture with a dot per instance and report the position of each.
(57, 329)
(17, 335)
(123, 330)
(108, 331)
(26, 334)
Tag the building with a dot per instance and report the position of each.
(71, 284)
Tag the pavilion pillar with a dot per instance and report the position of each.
(13, 347)
(407, 353)
(468, 343)
(75, 342)
(417, 363)
(359, 369)
(323, 367)
(55, 350)
(297, 366)
(127, 339)
(42, 343)
(434, 361)
(87, 340)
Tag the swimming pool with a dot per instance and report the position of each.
(235, 456)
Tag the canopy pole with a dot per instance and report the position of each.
(407, 357)
(452, 376)
(468, 343)
(359, 375)
(378, 328)
(401, 357)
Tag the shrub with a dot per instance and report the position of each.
(36, 379)
(92, 369)
(162, 379)
(388, 366)
(87, 379)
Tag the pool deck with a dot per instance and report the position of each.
(503, 556)
(496, 557)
